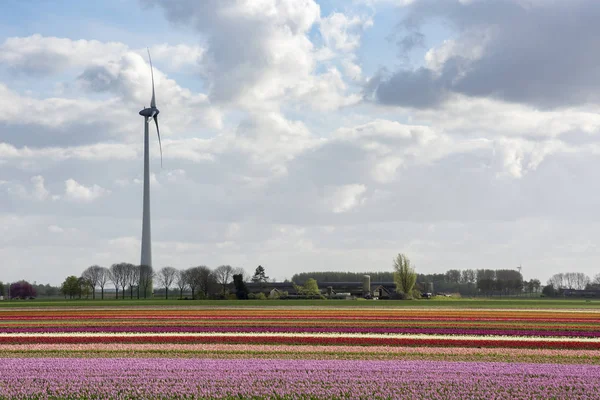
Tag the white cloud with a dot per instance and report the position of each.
(123, 74)
(345, 198)
(179, 56)
(77, 192)
(37, 54)
(341, 32)
(34, 190)
(39, 191)
(95, 152)
(341, 35)
(176, 176)
(40, 55)
(55, 229)
(491, 118)
(53, 112)
(470, 48)
(277, 65)
(129, 78)
(270, 137)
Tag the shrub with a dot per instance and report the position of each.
(278, 296)
(260, 296)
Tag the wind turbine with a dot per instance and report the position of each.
(146, 259)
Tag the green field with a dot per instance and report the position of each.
(450, 303)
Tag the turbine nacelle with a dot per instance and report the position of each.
(149, 112)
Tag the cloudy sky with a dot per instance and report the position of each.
(301, 134)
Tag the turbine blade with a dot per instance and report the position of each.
(159, 143)
(153, 101)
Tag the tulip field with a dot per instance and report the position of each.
(291, 352)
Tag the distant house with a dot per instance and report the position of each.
(347, 288)
(581, 293)
(382, 292)
(268, 287)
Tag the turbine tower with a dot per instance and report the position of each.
(146, 259)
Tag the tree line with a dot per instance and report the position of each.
(560, 282)
(136, 281)
(467, 282)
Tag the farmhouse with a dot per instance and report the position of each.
(382, 290)
(581, 293)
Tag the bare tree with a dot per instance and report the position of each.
(103, 278)
(223, 275)
(118, 275)
(468, 276)
(557, 281)
(580, 280)
(199, 279)
(92, 276)
(114, 279)
(205, 279)
(133, 279)
(146, 277)
(192, 279)
(128, 271)
(181, 282)
(166, 276)
(569, 280)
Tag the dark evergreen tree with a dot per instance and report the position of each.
(241, 290)
(259, 275)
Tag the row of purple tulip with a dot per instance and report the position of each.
(71, 378)
(298, 329)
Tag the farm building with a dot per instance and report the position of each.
(581, 293)
(382, 290)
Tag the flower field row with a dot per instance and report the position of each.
(536, 323)
(521, 329)
(301, 312)
(290, 353)
(61, 322)
(304, 339)
(321, 329)
(298, 379)
(282, 351)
